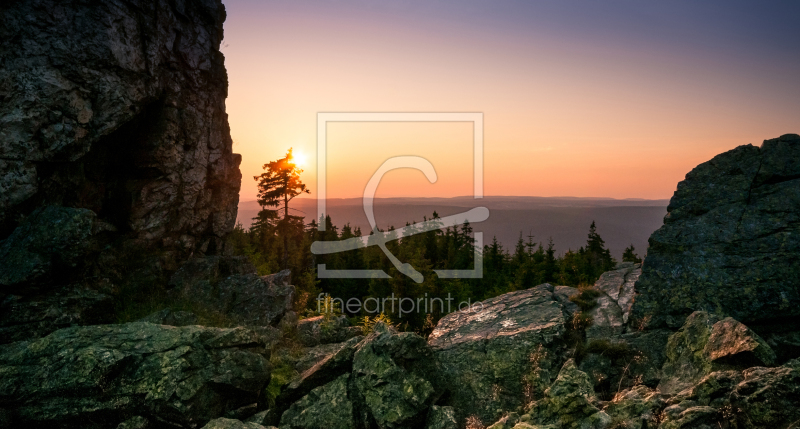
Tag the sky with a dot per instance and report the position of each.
(614, 99)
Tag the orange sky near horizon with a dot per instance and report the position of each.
(587, 112)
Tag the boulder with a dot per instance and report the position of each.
(223, 423)
(625, 361)
(135, 422)
(243, 413)
(488, 355)
(734, 343)
(441, 418)
(611, 314)
(47, 246)
(170, 317)
(694, 417)
(618, 284)
(607, 319)
(568, 402)
(636, 408)
(397, 376)
(563, 294)
(24, 317)
(705, 344)
(259, 418)
(648, 352)
(686, 361)
(757, 397)
(337, 363)
(100, 376)
(283, 277)
(325, 407)
(768, 397)
(711, 390)
(309, 357)
(230, 285)
(126, 120)
(314, 331)
(730, 242)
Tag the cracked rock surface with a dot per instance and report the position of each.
(118, 107)
(488, 353)
(730, 241)
(101, 376)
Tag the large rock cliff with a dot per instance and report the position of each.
(115, 153)
(730, 242)
(118, 107)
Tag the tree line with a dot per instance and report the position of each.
(279, 240)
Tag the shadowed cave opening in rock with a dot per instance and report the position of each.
(109, 177)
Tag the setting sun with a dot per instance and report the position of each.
(299, 159)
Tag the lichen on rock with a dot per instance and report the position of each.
(568, 403)
(487, 355)
(729, 243)
(103, 374)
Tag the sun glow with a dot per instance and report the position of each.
(299, 159)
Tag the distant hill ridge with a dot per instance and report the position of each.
(621, 222)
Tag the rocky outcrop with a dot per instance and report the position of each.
(441, 418)
(755, 398)
(637, 408)
(388, 379)
(51, 241)
(729, 243)
(318, 330)
(169, 317)
(101, 376)
(337, 363)
(612, 300)
(230, 285)
(118, 108)
(34, 316)
(493, 357)
(327, 406)
(618, 285)
(568, 403)
(397, 376)
(115, 151)
(49, 246)
(705, 344)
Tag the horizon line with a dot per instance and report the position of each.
(484, 197)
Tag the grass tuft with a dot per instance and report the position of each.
(586, 299)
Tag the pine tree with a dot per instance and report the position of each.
(597, 257)
(278, 185)
(550, 262)
(630, 255)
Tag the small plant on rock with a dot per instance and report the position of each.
(581, 321)
(473, 422)
(282, 374)
(586, 299)
(537, 380)
(368, 324)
